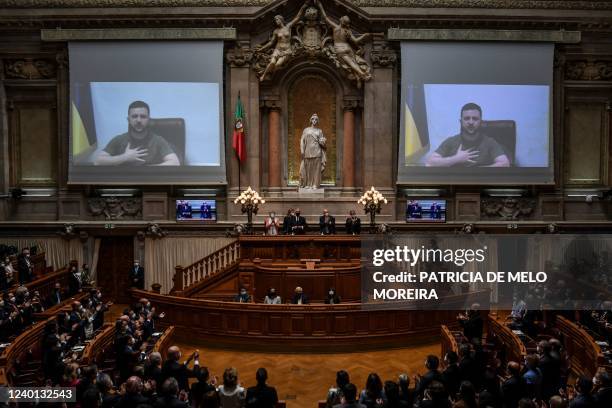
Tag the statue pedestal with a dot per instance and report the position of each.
(311, 192)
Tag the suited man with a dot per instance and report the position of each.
(173, 368)
(327, 223)
(75, 281)
(298, 225)
(137, 275)
(431, 363)
(299, 297)
(288, 222)
(472, 323)
(353, 224)
(56, 297)
(25, 267)
(169, 397)
(451, 375)
(514, 387)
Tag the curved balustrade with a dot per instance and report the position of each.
(162, 344)
(514, 347)
(448, 341)
(98, 345)
(216, 262)
(303, 327)
(585, 355)
(27, 342)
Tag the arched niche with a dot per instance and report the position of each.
(302, 89)
(308, 94)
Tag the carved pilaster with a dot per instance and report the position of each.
(241, 55)
(382, 55)
(351, 104)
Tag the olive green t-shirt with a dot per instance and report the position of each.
(157, 147)
(487, 147)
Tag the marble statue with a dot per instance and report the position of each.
(312, 148)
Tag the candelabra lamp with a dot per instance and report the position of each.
(249, 201)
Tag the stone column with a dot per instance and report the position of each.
(379, 117)
(274, 149)
(348, 144)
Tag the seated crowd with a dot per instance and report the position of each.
(294, 224)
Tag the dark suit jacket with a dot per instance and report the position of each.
(261, 397)
(513, 389)
(55, 298)
(170, 402)
(138, 274)
(353, 226)
(428, 378)
(298, 225)
(452, 379)
(305, 300)
(331, 225)
(24, 271)
(180, 372)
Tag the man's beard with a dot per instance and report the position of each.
(139, 134)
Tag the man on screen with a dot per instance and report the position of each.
(139, 146)
(471, 147)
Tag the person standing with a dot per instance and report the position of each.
(137, 275)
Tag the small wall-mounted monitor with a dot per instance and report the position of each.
(426, 211)
(196, 210)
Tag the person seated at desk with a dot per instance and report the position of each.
(332, 297)
(272, 224)
(243, 296)
(299, 298)
(272, 298)
(327, 223)
(353, 224)
(298, 224)
(287, 221)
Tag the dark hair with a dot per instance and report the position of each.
(139, 104)
(350, 392)
(342, 378)
(432, 362)
(471, 106)
(170, 387)
(261, 376)
(230, 377)
(392, 391)
(373, 386)
(452, 357)
(203, 374)
(468, 394)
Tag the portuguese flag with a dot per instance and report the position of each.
(239, 137)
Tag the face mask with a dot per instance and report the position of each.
(12, 299)
(272, 215)
(99, 295)
(297, 213)
(331, 293)
(243, 293)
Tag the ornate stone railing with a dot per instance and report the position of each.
(216, 262)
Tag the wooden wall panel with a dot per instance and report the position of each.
(586, 143)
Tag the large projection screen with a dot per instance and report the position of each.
(476, 113)
(146, 112)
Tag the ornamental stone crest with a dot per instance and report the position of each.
(312, 33)
(508, 208)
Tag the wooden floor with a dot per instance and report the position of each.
(303, 379)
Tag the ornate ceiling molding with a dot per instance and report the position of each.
(485, 4)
